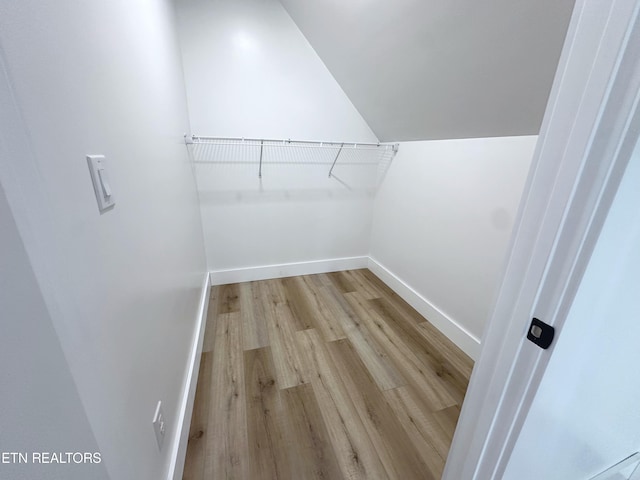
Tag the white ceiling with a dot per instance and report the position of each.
(434, 69)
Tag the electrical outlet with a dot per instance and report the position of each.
(159, 425)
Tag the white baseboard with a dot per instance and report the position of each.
(222, 277)
(181, 436)
(464, 339)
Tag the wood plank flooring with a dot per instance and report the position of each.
(329, 376)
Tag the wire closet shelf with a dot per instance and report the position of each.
(376, 151)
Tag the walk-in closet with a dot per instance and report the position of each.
(282, 239)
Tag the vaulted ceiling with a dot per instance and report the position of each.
(434, 69)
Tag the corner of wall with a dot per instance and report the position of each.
(464, 339)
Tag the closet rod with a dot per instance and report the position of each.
(285, 142)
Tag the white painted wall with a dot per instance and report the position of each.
(428, 69)
(442, 223)
(41, 409)
(586, 408)
(121, 288)
(250, 73)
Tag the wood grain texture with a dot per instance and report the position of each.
(442, 347)
(372, 354)
(420, 424)
(375, 282)
(281, 327)
(254, 323)
(390, 296)
(229, 298)
(431, 346)
(394, 447)
(436, 426)
(363, 287)
(340, 281)
(301, 311)
(310, 449)
(315, 280)
(269, 458)
(328, 376)
(227, 447)
(272, 290)
(416, 365)
(319, 299)
(353, 448)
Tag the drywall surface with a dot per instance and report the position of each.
(41, 410)
(249, 72)
(122, 287)
(586, 408)
(428, 69)
(443, 219)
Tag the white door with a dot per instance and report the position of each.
(568, 267)
(585, 416)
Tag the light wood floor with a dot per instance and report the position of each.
(326, 376)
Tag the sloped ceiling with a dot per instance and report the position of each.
(436, 69)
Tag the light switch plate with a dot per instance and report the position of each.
(159, 426)
(101, 184)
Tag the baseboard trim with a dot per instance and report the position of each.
(222, 277)
(464, 339)
(181, 437)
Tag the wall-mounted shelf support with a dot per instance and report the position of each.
(260, 168)
(336, 159)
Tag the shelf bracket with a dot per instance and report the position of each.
(335, 159)
(260, 168)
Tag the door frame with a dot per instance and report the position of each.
(588, 134)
